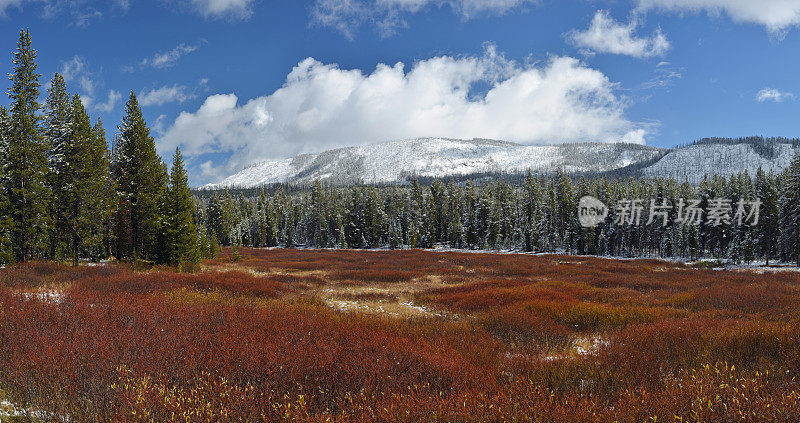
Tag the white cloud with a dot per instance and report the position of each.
(109, 104)
(389, 15)
(771, 94)
(664, 76)
(78, 13)
(6, 4)
(83, 11)
(605, 35)
(84, 18)
(158, 125)
(166, 94)
(169, 58)
(211, 172)
(231, 9)
(321, 106)
(77, 70)
(776, 15)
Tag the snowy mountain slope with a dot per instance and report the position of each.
(692, 163)
(437, 157)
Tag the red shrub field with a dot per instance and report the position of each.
(400, 336)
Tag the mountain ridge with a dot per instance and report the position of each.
(398, 161)
(395, 161)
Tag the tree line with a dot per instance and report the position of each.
(539, 215)
(65, 194)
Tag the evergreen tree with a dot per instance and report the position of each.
(6, 251)
(106, 202)
(27, 160)
(141, 182)
(85, 196)
(58, 131)
(768, 225)
(790, 212)
(181, 228)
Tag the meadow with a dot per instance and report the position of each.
(399, 336)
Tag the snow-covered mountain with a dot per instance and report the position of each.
(694, 162)
(438, 157)
(397, 161)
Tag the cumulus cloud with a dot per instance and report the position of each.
(605, 35)
(388, 16)
(166, 59)
(166, 94)
(771, 94)
(322, 106)
(230, 9)
(776, 15)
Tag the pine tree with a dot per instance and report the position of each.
(227, 221)
(214, 217)
(107, 202)
(768, 226)
(181, 227)
(6, 251)
(58, 131)
(27, 191)
(214, 247)
(790, 212)
(85, 194)
(141, 181)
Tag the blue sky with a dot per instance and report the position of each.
(233, 82)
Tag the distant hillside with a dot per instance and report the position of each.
(438, 158)
(425, 158)
(724, 156)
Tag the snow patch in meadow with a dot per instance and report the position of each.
(589, 346)
(9, 410)
(421, 309)
(399, 309)
(53, 296)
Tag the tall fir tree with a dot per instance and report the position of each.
(141, 183)
(767, 230)
(181, 228)
(58, 121)
(6, 224)
(27, 157)
(57, 118)
(790, 212)
(85, 199)
(107, 201)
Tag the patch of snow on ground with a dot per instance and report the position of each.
(54, 296)
(9, 410)
(421, 309)
(589, 346)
